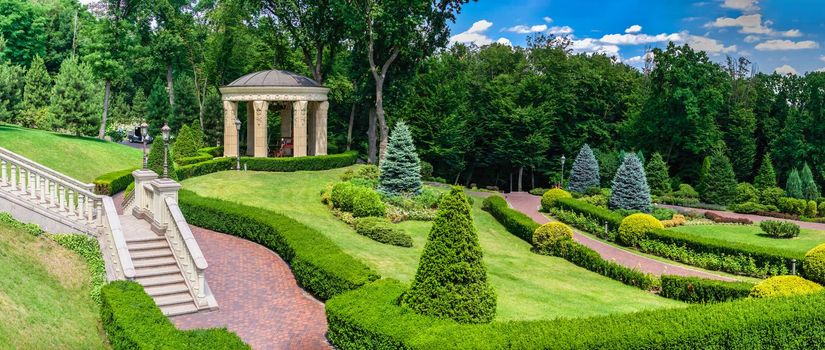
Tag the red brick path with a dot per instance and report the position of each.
(529, 205)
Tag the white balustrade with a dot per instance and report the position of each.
(185, 248)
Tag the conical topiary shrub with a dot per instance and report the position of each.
(810, 190)
(630, 190)
(585, 172)
(401, 168)
(451, 281)
(155, 159)
(794, 185)
(766, 176)
(717, 182)
(657, 175)
(186, 144)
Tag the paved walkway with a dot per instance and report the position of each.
(529, 205)
(751, 217)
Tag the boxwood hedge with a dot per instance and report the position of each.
(370, 318)
(114, 182)
(611, 218)
(286, 164)
(701, 290)
(522, 226)
(133, 321)
(319, 265)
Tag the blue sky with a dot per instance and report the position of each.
(784, 36)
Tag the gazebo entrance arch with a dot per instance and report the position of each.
(303, 105)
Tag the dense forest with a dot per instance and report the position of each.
(493, 115)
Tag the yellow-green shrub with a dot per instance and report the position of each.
(782, 286)
(550, 234)
(813, 266)
(635, 226)
(676, 220)
(548, 199)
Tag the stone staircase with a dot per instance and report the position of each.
(158, 272)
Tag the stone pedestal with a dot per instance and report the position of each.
(162, 188)
(142, 198)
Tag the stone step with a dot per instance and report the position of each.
(151, 262)
(157, 291)
(153, 253)
(160, 280)
(147, 245)
(156, 270)
(144, 239)
(172, 299)
(179, 309)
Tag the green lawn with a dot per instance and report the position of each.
(82, 158)
(44, 296)
(529, 286)
(752, 234)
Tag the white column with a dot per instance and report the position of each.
(230, 134)
(321, 128)
(251, 128)
(260, 135)
(286, 120)
(299, 128)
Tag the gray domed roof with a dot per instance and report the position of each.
(274, 78)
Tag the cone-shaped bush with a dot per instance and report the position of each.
(794, 185)
(451, 281)
(766, 176)
(657, 175)
(401, 168)
(585, 172)
(186, 144)
(810, 191)
(155, 159)
(630, 190)
(717, 182)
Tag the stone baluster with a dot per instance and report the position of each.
(52, 193)
(71, 195)
(99, 213)
(60, 196)
(32, 187)
(13, 176)
(43, 186)
(89, 209)
(3, 180)
(81, 198)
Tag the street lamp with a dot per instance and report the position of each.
(238, 143)
(165, 132)
(144, 130)
(561, 184)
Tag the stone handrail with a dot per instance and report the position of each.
(187, 252)
(44, 169)
(116, 242)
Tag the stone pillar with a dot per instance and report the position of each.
(162, 188)
(286, 120)
(261, 142)
(230, 134)
(299, 128)
(250, 128)
(321, 128)
(311, 108)
(141, 200)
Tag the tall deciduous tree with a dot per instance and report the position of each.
(766, 176)
(630, 190)
(585, 173)
(657, 175)
(74, 97)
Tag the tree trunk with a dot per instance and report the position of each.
(382, 121)
(349, 128)
(106, 92)
(470, 175)
(371, 137)
(170, 85)
(520, 173)
(510, 183)
(532, 178)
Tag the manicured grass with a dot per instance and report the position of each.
(83, 158)
(44, 296)
(752, 234)
(529, 286)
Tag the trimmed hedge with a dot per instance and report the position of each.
(194, 159)
(203, 168)
(215, 151)
(114, 182)
(381, 230)
(522, 226)
(319, 265)
(133, 321)
(287, 164)
(701, 290)
(719, 219)
(613, 219)
(370, 318)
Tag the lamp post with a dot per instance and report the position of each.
(144, 130)
(165, 132)
(561, 184)
(238, 143)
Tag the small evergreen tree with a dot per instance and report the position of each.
(401, 168)
(641, 157)
(630, 190)
(657, 175)
(155, 159)
(585, 173)
(766, 176)
(608, 164)
(138, 113)
(10, 91)
(451, 280)
(810, 191)
(157, 108)
(185, 143)
(73, 96)
(38, 86)
(717, 180)
(794, 185)
(198, 134)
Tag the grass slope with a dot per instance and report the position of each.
(83, 158)
(752, 234)
(44, 296)
(529, 286)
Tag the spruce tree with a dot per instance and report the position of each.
(11, 88)
(157, 108)
(74, 97)
(794, 185)
(138, 112)
(717, 180)
(608, 164)
(38, 86)
(451, 280)
(657, 175)
(155, 159)
(198, 134)
(401, 168)
(766, 176)
(630, 190)
(585, 173)
(810, 191)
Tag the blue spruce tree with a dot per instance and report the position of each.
(630, 190)
(401, 168)
(585, 173)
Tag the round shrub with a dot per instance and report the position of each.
(381, 230)
(550, 234)
(779, 229)
(367, 202)
(771, 195)
(810, 210)
(783, 286)
(548, 199)
(745, 192)
(686, 191)
(342, 196)
(634, 227)
(814, 264)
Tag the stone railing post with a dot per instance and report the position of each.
(141, 201)
(162, 189)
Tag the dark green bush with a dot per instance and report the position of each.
(522, 226)
(186, 143)
(133, 321)
(745, 192)
(367, 202)
(193, 160)
(319, 265)
(288, 164)
(342, 196)
(215, 151)
(748, 207)
(381, 230)
(114, 182)
(686, 191)
(701, 290)
(779, 229)
(426, 170)
(204, 168)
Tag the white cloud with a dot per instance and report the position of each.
(633, 29)
(711, 46)
(749, 24)
(560, 30)
(590, 45)
(785, 69)
(504, 41)
(639, 39)
(548, 19)
(523, 29)
(752, 38)
(821, 69)
(639, 59)
(793, 33)
(475, 34)
(744, 5)
(780, 45)
(822, 58)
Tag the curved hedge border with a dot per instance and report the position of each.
(611, 218)
(319, 265)
(700, 290)
(286, 164)
(370, 318)
(133, 321)
(522, 226)
(114, 182)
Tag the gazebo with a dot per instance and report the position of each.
(303, 106)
